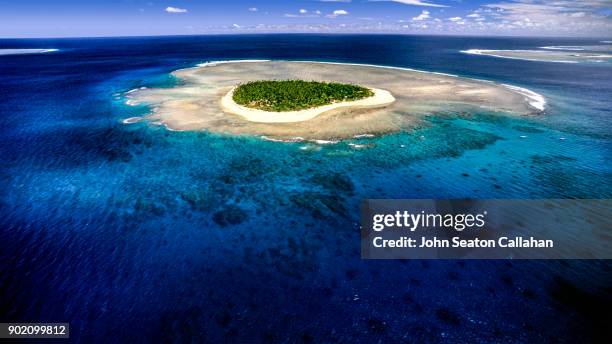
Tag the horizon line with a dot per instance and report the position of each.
(309, 33)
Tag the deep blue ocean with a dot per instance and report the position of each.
(133, 233)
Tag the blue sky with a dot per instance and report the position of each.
(77, 18)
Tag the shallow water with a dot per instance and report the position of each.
(137, 233)
(200, 100)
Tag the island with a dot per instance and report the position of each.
(286, 101)
(319, 101)
(291, 95)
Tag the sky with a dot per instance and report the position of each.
(94, 18)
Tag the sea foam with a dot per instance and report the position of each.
(132, 120)
(485, 52)
(136, 89)
(536, 100)
(325, 142)
(381, 66)
(25, 51)
(293, 139)
(563, 47)
(215, 63)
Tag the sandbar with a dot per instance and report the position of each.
(403, 97)
(551, 54)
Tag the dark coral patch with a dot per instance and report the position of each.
(230, 215)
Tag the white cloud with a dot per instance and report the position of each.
(457, 20)
(253, 9)
(497, 17)
(171, 9)
(577, 14)
(236, 26)
(337, 13)
(424, 15)
(553, 17)
(340, 12)
(303, 13)
(412, 2)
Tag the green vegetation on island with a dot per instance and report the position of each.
(293, 95)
